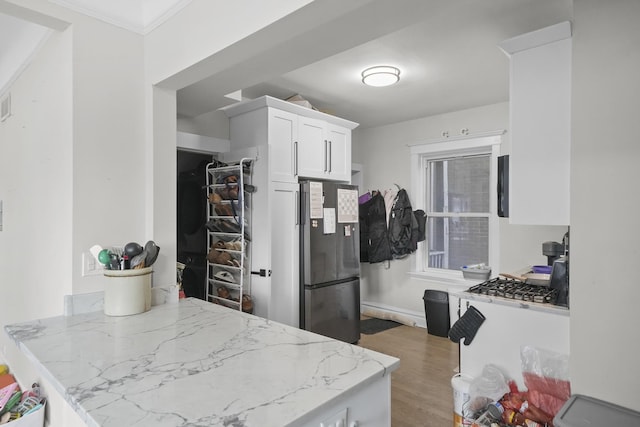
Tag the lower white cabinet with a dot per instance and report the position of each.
(369, 405)
(285, 281)
(506, 328)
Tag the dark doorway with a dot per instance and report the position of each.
(192, 213)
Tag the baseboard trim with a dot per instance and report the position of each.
(383, 311)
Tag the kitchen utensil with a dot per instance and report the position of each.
(95, 251)
(114, 261)
(530, 278)
(132, 249)
(138, 261)
(152, 253)
(104, 257)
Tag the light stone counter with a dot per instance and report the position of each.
(197, 364)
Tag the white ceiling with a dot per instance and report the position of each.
(447, 51)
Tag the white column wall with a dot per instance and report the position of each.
(109, 142)
(36, 173)
(35, 186)
(605, 201)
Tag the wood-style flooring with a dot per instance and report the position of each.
(421, 393)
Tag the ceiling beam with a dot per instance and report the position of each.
(314, 32)
(30, 15)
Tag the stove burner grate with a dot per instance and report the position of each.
(515, 289)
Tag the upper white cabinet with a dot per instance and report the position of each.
(324, 150)
(540, 116)
(282, 138)
(302, 142)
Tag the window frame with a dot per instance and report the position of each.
(486, 143)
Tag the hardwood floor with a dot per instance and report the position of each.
(421, 393)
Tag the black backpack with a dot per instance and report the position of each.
(402, 222)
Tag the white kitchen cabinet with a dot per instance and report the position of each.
(540, 116)
(282, 128)
(288, 139)
(507, 327)
(285, 237)
(302, 142)
(324, 150)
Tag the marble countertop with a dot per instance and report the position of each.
(194, 363)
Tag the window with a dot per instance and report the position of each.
(455, 184)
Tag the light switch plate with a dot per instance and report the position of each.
(90, 266)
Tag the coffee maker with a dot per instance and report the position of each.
(558, 258)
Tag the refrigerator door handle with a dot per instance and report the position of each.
(302, 206)
(297, 207)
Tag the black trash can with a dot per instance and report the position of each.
(436, 308)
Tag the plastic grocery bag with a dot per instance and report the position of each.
(546, 376)
(489, 387)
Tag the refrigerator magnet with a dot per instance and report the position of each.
(329, 221)
(347, 231)
(347, 205)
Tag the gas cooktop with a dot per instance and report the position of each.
(516, 290)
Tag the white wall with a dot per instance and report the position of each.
(385, 157)
(605, 201)
(108, 142)
(36, 188)
(214, 124)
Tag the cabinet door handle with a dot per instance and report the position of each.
(295, 158)
(329, 157)
(325, 155)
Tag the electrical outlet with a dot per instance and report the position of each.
(90, 266)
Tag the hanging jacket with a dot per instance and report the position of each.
(374, 216)
(363, 213)
(401, 226)
(419, 234)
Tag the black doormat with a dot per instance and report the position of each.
(373, 326)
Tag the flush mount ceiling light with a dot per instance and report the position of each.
(381, 75)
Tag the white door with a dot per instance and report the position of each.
(339, 153)
(283, 133)
(285, 280)
(312, 148)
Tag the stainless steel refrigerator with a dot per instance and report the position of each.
(329, 260)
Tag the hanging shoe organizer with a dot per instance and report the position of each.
(228, 235)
